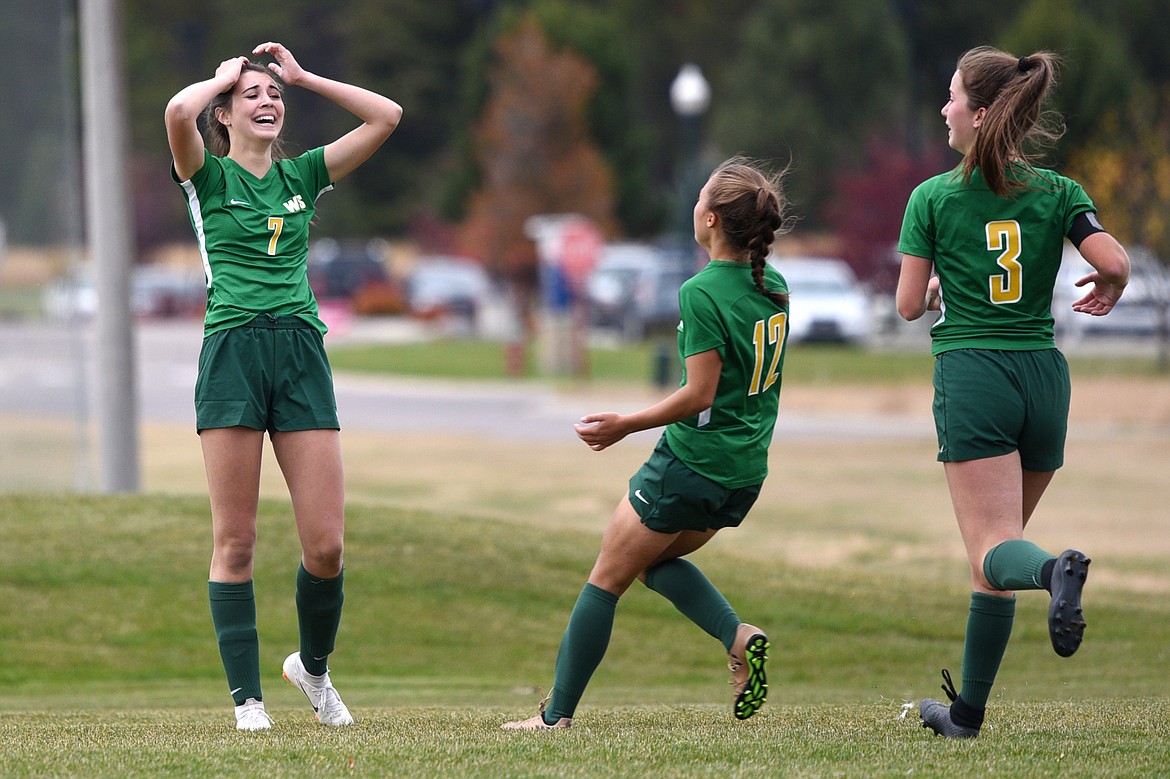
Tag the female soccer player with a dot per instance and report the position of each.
(709, 464)
(263, 365)
(993, 231)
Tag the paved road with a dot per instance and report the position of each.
(48, 370)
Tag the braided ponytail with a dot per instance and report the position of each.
(751, 211)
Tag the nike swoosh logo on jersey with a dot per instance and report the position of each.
(235, 202)
(638, 495)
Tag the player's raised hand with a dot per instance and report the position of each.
(286, 66)
(230, 69)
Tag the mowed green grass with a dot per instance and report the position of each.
(451, 627)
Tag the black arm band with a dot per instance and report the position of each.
(1084, 224)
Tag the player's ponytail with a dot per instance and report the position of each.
(750, 207)
(1015, 126)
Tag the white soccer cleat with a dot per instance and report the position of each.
(536, 722)
(250, 715)
(319, 690)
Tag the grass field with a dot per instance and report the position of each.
(464, 558)
(451, 626)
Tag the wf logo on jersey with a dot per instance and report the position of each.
(294, 205)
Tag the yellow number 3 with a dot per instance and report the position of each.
(1004, 237)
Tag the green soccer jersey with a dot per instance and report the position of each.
(722, 309)
(996, 258)
(253, 236)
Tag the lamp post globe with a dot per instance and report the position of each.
(690, 94)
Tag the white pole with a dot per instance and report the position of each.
(108, 228)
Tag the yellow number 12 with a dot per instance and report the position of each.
(770, 333)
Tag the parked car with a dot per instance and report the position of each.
(442, 285)
(339, 270)
(155, 291)
(1139, 312)
(826, 301)
(634, 289)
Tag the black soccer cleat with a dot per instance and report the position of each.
(1066, 621)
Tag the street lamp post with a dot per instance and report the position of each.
(690, 95)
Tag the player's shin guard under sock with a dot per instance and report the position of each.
(989, 626)
(685, 586)
(582, 648)
(319, 604)
(233, 613)
(1016, 565)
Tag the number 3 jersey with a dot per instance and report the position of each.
(996, 258)
(721, 309)
(253, 236)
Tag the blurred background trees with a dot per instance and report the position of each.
(515, 106)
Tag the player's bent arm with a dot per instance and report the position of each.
(696, 395)
(913, 285)
(183, 135)
(602, 430)
(1108, 258)
(380, 116)
(182, 113)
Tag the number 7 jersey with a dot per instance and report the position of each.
(996, 258)
(253, 236)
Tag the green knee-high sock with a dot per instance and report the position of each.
(684, 585)
(1016, 565)
(989, 626)
(318, 615)
(584, 644)
(233, 613)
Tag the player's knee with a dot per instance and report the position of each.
(324, 559)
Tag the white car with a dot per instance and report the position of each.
(1138, 313)
(826, 301)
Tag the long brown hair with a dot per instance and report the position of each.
(1013, 91)
(750, 205)
(215, 134)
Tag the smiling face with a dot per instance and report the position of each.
(961, 120)
(256, 111)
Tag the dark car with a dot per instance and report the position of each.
(634, 290)
(342, 270)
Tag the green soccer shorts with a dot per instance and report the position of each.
(270, 374)
(670, 497)
(989, 403)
